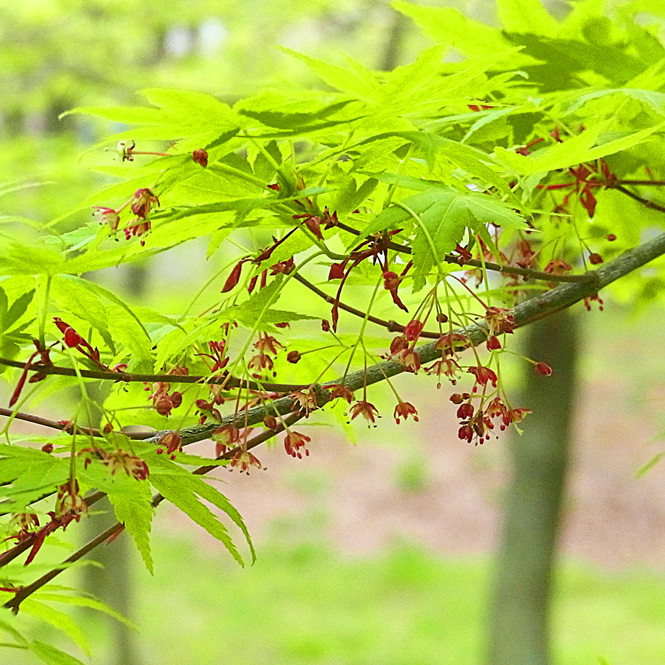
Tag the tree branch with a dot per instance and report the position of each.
(63, 426)
(114, 529)
(488, 265)
(525, 313)
(639, 199)
(128, 377)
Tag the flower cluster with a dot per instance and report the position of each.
(267, 346)
(69, 506)
(140, 204)
(117, 460)
(162, 400)
(477, 423)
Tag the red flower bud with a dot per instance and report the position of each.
(543, 368)
(164, 405)
(72, 338)
(413, 329)
(200, 157)
(293, 356)
(493, 343)
(465, 411)
(234, 277)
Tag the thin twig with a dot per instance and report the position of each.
(488, 265)
(654, 183)
(390, 326)
(128, 377)
(64, 426)
(640, 199)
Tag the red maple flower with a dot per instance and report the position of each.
(404, 410)
(446, 366)
(107, 216)
(365, 409)
(500, 320)
(243, 460)
(294, 441)
(484, 375)
(341, 391)
(306, 399)
(143, 201)
(451, 342)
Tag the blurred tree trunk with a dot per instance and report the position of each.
(393, 47)
(521, 597)
(112, 582)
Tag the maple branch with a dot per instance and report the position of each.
(525, 313)
(488, 265)
(114, 529)
(128, 377)
(642, 183)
